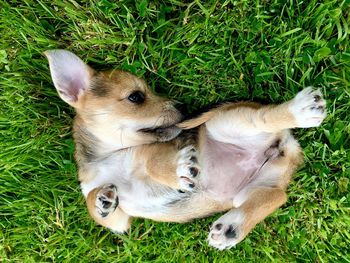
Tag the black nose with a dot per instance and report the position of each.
(182, 108)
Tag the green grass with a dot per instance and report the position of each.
(199, 53)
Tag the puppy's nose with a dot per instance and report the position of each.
(181, 107)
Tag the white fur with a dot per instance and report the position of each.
(226, 127)
(184, 164)
(117, 133)
(114, 168)
(145, 198)
(121, 225)
(217, 237)
(137, 197)
(241, 197)
(69, 73)
(307, 111)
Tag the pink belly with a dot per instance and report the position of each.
(228, 168)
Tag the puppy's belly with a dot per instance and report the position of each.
(146, 199)
(228, 168)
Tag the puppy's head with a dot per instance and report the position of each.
(115, 106)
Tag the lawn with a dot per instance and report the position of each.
(198, 52)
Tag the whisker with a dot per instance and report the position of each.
(156, 122)
(99, 113)
(121, 138)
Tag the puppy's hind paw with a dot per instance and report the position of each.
(308, 108)
(187, 168)
(226, 232)
(106, 200)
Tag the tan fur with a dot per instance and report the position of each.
(93, 113)
(199, 207)
(261, 203)
(195, 122)
(118, 221)
(160, 167)
(127, 144)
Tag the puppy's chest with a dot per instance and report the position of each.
(112, 169)
(229, 168)
(137, 194)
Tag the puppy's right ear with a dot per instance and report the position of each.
(70, 75)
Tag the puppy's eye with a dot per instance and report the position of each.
(137, 97)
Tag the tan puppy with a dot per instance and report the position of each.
(237, 157)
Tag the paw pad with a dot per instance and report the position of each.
(226, 232)
(187, 168)
(107, 200)
(308, 108)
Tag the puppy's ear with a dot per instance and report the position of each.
(70, 75)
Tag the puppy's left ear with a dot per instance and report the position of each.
(70, 75)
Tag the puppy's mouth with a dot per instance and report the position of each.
(155, 129)
(162, 133)
(167, 129)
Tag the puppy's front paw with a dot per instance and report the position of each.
(187, 168)
(106, 200)
(308, 108)
(226, 232)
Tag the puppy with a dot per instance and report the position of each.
(134, 161)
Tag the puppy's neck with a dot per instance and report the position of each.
(94, 144)
(89, 148)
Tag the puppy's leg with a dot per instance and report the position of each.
(102, 203)
(170, 166)
(233, 226)
(307, 109)
(261, 197)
